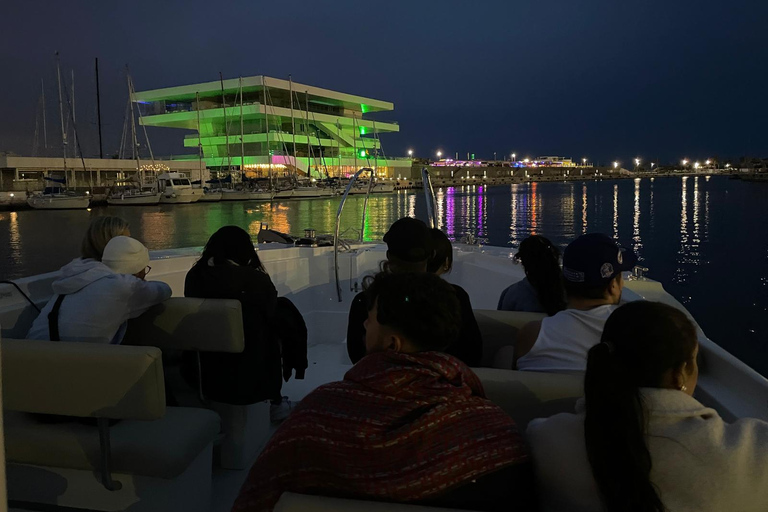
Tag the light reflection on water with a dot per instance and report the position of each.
(702, 238)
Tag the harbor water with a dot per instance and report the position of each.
(704, 238)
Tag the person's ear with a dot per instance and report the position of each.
(395, 343)
(679, 376)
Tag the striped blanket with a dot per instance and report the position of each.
(399, 427)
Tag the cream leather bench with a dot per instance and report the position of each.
(153, 458)
(499, 330)
(206, 325)
(528, 395)
(292, 502)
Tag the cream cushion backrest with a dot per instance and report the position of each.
(291, 502)
(183, 323)
(499, 329)
(529, 395)
(82, 379)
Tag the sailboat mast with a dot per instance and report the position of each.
(45, 128)
(226, 125)
(242, 141)
(266, 122)
(199, 139)
(74, 120)
(61, 116)
(134, 139)
(98, 108)
(293, 121)
(309, 146)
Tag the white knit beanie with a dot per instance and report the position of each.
(125, 255)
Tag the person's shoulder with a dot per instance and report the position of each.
(461, 293)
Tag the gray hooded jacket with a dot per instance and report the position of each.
(98, 303)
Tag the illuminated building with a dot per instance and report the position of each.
(285, 127)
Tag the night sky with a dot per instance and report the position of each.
(604, 79)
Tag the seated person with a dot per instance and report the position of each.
(100, 231)
(408, 423)
(592, 266)
(639, 440)
(541, 291)
(93, 300)
(409, 249)
(229, 268)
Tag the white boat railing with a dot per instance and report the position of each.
(429, 193)
(351, 183)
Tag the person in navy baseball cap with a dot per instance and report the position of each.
(592, 267)
(592, 260)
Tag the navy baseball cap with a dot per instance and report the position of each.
(409, 240)
(594, 259)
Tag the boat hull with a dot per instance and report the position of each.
(235, 195)
(183, 196)
(261, 196)
(58, 203)
(210, 197)
(134, 200)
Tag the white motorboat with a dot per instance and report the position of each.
(175, 188)
(725, 383)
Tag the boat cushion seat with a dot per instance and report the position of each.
(161, 448)
(528, 395)
(185, 323)
(499, 329)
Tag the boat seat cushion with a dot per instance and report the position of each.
(185, 323)
(529, 395)
(161, 448)
(499, 329)
(83, 379)
(292, 502)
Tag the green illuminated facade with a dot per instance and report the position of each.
(286, 127)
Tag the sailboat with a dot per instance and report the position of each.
(133, 191)
(56, 196)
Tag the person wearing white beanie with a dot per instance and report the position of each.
(93, 300)
(126, 255)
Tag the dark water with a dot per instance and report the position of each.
(705, 239)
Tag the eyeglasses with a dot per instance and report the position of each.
(147, 270)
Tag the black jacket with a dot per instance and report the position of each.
(468, 347)
(256, 373)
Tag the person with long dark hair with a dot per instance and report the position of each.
(541, 291)
(640, 442)
(230, 268)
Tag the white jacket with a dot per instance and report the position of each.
(98, 303)
(699, 462)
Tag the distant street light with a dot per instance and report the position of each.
(637, 161)
(727, 166)
(685, 162)
(526, 160)
(494, 156)
(708, 162)
(615, 165)
(583, 161)
(439, 154)
(652, 164)
(696, 165)
(410, 152)
(513, 157)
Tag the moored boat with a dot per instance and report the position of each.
(175, 188)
